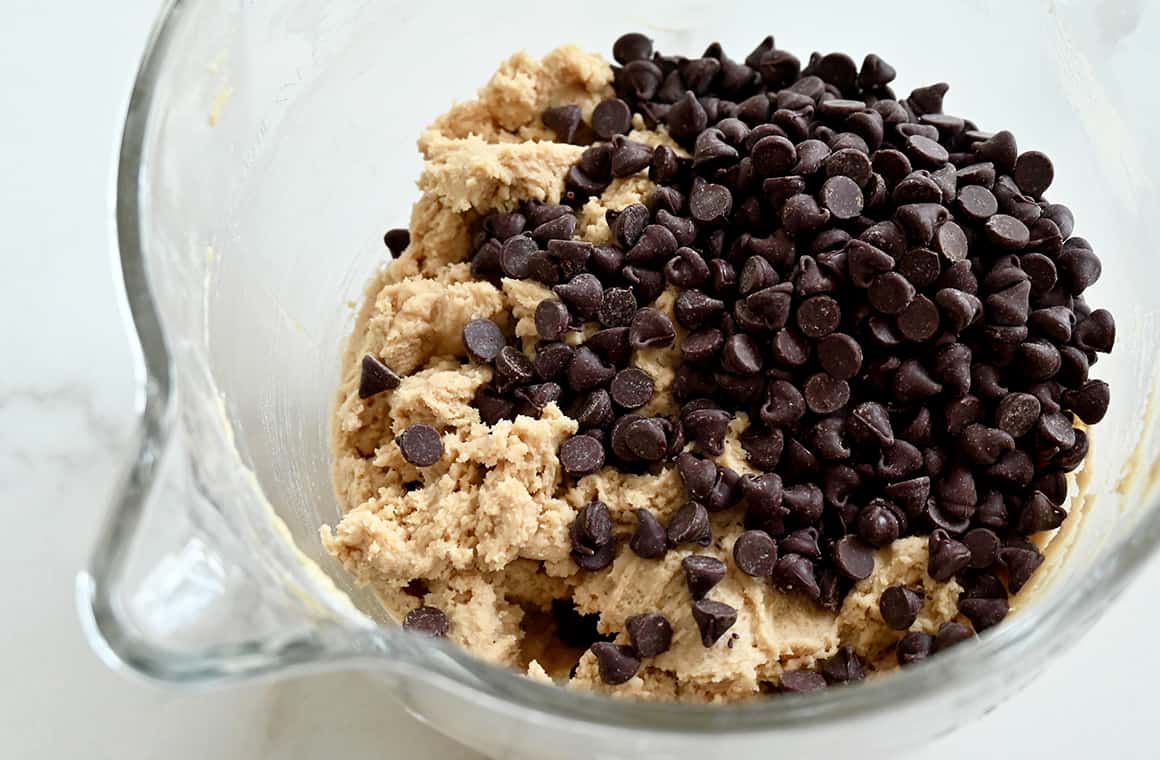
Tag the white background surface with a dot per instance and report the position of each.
(66, 399)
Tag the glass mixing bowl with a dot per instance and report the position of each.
(266, 148)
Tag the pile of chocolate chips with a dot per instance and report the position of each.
(880, 286)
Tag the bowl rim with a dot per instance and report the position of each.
(1016, 648)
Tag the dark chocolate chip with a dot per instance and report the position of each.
(984, 613)
(755, 553)
(646, 438)
(552, 359)
(376, 377)
(631, 388)
(611, 117)
(914, 647)
(947, 556)
(483, 339)
(617, 663)
(648, 542)
(984, 546)
(581, 455)
(397, 240)
(651, 633)
(799, 681)
(702, 573)
(878, 524)
(713, 619)
(428, 621)
(420, 444)
(707, 427)
(843, 668)
(564, 121)
(853, 557)
(588, 371)
(900, 606)
(690, 525)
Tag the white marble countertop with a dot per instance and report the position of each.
(65, 408)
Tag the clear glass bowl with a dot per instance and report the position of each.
(266, 148)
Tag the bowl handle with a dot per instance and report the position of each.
(193, 580)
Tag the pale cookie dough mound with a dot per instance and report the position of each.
(486, 532)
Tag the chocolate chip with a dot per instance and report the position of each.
(914, 647)
(581, 455)
(919, 320)
(799, 681)
(984, 613)
(588, 371)
(650, 327)
(564, 121)
(795, 573)
(492, 406)
(755, 553)
(825, 395)
(710, 204)
(420, 444)
(947, 556)
(802, 214)
(690, 525)
(1096, 333)
(612, 344)
(699, 475)
(1089, 402)
(1021, 563)
(1033, 172)
(702, 573)
(618, 307)
(878, 524)
(843, 668)
(513, 367)
(560, 228)
(713, 619)
(552, 359)
(428, 621)
(949, 634)
(552, 319)
(853, 557)
(646, 438)
(900, 606)
(1007, 232)
(842, 197)
(397, 240)
(376, 377)
(648, 542)
(818, 316)
(592, 542)
(631, 388)
(539, 396)
(616, 663)
(1039, 514)
(773, 156)
(611, 117)
(651, 633)
(741, 355)
(483, 339)
(707, 427)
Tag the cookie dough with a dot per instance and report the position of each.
(484, 533)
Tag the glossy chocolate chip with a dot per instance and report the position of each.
(376, 377)
(702, 573)
(616, 663)
(581, 455)
(420, 444)
(900, 606)
(755, 553)
(713, 619)
(690, 525)
(428, 621)
(651, 633)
